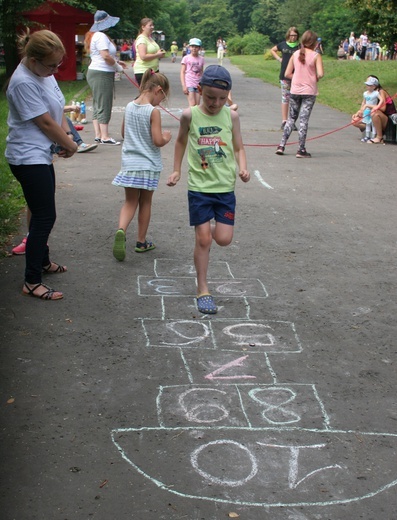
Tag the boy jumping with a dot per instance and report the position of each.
(215, 144)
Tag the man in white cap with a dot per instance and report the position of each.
(191, 72)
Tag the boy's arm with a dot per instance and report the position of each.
(180, 146)
(238, 147)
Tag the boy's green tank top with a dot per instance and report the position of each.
(212, 164)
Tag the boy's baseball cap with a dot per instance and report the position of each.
(371, 81)
(216, 76)
(195, 41)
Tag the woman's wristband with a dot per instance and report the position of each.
(69, 133)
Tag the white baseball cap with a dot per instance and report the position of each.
(195, 41)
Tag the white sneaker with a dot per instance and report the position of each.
(83, 147)
(110, 141)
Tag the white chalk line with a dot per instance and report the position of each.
(259, 177)
(165, 487)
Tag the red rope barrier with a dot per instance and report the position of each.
(270, 145)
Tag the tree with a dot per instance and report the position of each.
(242, 13)
(180, 24)
(299, 14)
(333, 23)
(215, 19)
(266, 19)
(377, 18)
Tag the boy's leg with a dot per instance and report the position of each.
(222, 233)
(201, 255)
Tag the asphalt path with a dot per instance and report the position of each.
(121, 401)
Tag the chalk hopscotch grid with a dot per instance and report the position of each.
(326, 428)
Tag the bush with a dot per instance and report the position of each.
(251, 43)
(255, 43)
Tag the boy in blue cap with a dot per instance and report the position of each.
(212, 131)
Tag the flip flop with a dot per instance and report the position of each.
(206, 304)
(142, 247)
(372, 141)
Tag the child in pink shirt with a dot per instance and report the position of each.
(305, 68)
(191, 72)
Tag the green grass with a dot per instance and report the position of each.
(343, 84)
(12, 200)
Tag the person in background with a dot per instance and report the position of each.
(174, 51)
(100, 74)
(380, 113)
(230, 103)
(125, 51)
(215, 151)
(346, 47)
(305, 68)
(192, 66)
(148, 51)
(352, 46)
(141, 160)
(370, 100)
(220, 53)
(82, 147)
(319, 46)
(37, 129)
(363, 44)
(287, 47)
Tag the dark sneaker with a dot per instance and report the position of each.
(302, 154)
(280, 150)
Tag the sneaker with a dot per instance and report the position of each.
(110, 141)
(282, 125)
(302, 154)
(98, 140)
(365, 139)
(119, 245)
(280, 150)
(83, 147)
(21, 249)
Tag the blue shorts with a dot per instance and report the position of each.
(192, 89)
(205, 206)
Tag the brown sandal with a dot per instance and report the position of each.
(47, 295)
(57, 270)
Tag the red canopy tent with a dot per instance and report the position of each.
(66, 21)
